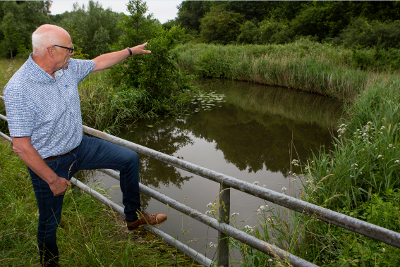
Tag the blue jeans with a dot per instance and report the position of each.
(91, 154)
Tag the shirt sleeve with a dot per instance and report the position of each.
(20, 115)
(82, 68)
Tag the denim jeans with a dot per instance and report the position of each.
(91, 154)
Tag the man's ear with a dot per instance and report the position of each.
(50, 51)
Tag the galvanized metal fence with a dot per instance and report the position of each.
(222, 224)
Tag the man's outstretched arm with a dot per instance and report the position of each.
(107, 60)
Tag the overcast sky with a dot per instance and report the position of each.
(162, 10)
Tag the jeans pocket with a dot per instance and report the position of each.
(53, 165)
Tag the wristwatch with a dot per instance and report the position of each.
(130, 51)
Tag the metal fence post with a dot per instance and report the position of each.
(224, 211)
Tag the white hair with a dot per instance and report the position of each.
(45, 36)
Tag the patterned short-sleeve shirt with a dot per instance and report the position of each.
(47, 109)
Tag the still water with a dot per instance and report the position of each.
(250, 132)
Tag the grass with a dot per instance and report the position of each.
(90, 234)
(303, 65)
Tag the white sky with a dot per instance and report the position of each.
(162, 10)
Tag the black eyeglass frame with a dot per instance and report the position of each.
(71, 49)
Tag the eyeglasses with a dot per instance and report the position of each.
(71, 49)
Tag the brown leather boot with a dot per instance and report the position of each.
(146, 218)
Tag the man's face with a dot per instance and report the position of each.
(63, 54)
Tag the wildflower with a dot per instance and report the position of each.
(396, 161)
(295, 162)
(383, 127)
(209, 205)
(263, 207)
(234, 214)
(264, 185)
(383, 250)
(380, 156)
(258, 211)
(390, 145)
(248, 228)
(256, 182)
(284, 188)
(270, 259)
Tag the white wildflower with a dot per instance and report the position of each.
(284, 188)
(256, 182)
(396, 161)
(209, 205)
(383, 250)
(380, 156)
(263, 207)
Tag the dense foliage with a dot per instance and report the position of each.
(92, 28)
(263, 22)
(155, 78)
(17, 22)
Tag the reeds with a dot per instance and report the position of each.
(302, 65)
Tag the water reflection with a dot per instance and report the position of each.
(250, 137)
(256, 128)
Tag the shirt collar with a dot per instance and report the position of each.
(39, 74)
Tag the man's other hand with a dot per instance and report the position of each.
(59, 186)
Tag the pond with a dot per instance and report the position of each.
(250, 132)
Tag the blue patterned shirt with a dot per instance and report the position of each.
(47, 109)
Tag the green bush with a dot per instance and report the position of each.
(372, 33)
(249, 33)
(220, 26)
(211, 65)
(274, 32)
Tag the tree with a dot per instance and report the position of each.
(90, 27)
(12, 33)
(19, 19)
(156, 77)
(221, 26)
(102, 39)
(190, 13)
(249, 33)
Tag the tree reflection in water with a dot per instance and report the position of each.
(167, 139)
(254, 129)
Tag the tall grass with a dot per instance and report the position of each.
(302, 65)
(90, 234)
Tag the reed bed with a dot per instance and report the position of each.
(302, 65)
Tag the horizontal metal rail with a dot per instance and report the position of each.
(4, 118)
(367, 229)
(245, 238)
(5, 137)
(193, 254)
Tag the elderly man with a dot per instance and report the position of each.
(45, 124)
